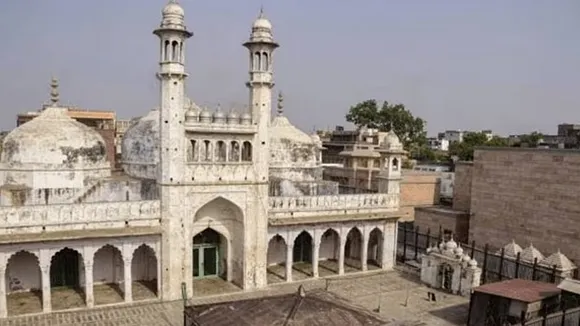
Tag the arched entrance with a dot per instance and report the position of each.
(375, 249)
(276, 259)
(209, 255)
(144, 273)
(23, 284)
(328, 253)
(108, 274)
(218, 247)
(66, 267)
(302, 256)
(352, 251)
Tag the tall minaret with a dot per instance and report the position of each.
(171, 167)
(261, 47)
(173, 34)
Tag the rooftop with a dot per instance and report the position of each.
(520, 290)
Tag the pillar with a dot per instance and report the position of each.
(364, 251)
(289, 262)
(341, 256)
(128, 282)
(389, 246)
(315, 255)
(89, 296)
(3, 308)
(46, 302)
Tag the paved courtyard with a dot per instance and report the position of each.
(396, 296)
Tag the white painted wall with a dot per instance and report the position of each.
(329, 246)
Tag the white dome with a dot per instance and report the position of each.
(392, 142)
(173, 9)
(140, 146)
(53, 140)
(262, 23)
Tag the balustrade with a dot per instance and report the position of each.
(333, 202)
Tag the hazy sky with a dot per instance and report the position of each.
(511, 66)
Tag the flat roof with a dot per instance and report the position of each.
(521, 290)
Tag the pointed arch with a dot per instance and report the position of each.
(265, 61)
(303, 247)
(108, 274)
(66, 271)
(221, 209)
(144, 266)
(329, 245)
(276, 259)
(257, 61)
(23, 282)
(353, 248)
(375, 247)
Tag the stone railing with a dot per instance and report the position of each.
(333, 202)
(40, 218)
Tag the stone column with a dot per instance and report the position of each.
(364, 251)
(341, 256)
(3, 308)
(46, 295)
(389, 246)
(289, 262)
(315, 256)
(89, 296)
(128, 282)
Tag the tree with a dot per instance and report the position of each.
(531, 140)
(464, 150)
(410, 129)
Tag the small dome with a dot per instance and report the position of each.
(191, 115)
(315, 138)
(451, 245)
(246, 118)
(233, 117)
(53, 140)
(473, 263)
(512, 249)
(205, 116)
(219, 116)
(261, 22)
(466, 258)
(458, 251)
(392, 141)
(173, 9)
(531, 253)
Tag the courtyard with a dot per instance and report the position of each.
(396, 296)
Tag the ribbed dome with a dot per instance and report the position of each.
(53, 140)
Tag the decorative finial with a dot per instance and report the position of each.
(219, 107)
(54, 95)
(280, 104)
(261, 11)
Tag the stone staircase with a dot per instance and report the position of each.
(89, 191)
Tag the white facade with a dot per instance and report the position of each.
(201, 195)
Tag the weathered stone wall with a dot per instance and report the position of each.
(110, 148)
(528, 195)
(418, 189)
(462, 186)
(431, 218)
(283, 187)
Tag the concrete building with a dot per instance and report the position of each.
(437, 144)
(234, 200)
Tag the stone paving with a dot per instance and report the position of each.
(396, 296)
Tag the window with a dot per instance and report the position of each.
(247, 152)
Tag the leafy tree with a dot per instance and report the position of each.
(410, 129)
(464, 150)
(531, 140)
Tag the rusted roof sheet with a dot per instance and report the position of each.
(520, 290)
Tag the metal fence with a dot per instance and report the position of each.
(569, 317)
(495, 265)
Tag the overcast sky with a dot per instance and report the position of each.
(510, 66)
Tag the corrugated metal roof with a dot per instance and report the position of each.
(520, 290)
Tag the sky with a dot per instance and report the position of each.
(510, 66)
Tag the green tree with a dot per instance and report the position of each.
(410, 129)
(464, 150)
(531, 139)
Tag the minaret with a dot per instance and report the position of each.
(172, 34)
(261, 47)
(171, 167)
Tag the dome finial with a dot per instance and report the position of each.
(261, 11)
(54, 95)
(280, 104)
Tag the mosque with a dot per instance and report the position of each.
(235, 199)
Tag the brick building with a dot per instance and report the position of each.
(526, 195)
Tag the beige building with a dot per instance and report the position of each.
(205, 200)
